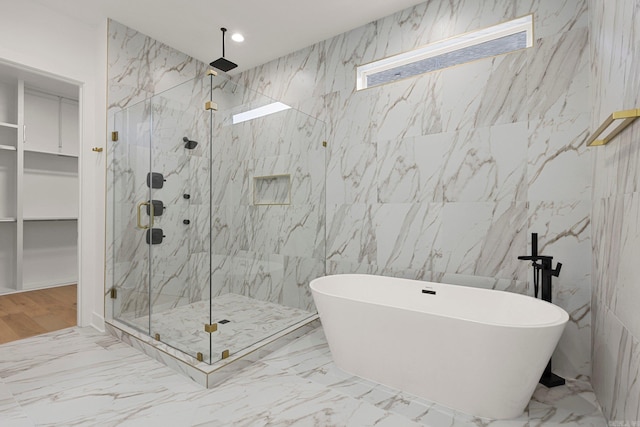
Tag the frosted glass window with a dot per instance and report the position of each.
(497, 40)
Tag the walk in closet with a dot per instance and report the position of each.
(39, 188)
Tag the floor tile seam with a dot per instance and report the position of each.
(18, 407)
(329, 389)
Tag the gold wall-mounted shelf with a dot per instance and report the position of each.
(627, 117)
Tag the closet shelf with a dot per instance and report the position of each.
(7, 147)
(7, 220)
(627, 117)
(59, 218)
(8, 125)
(51, 153)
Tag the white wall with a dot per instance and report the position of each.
(37, 38)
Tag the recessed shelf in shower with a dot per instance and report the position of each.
(272, 190)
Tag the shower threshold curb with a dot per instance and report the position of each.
(208, 375)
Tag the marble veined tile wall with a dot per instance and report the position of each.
(269, 252)
(615, 85)
(139, 68)
(268, 249)
(445, 176)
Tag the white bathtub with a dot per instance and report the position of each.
(478, 351)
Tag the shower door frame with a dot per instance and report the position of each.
(137, 142)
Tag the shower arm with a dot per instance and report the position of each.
(224, 31)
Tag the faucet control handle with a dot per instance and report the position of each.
(556, 271)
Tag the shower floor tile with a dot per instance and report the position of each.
(249, 321)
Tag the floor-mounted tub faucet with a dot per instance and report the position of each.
(543, 265)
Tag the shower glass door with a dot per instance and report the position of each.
(216, 218)
(130, 153)
(268, 216)
(160, 210)
(179, 253)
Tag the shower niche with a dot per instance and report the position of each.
(272, 190)
(215, 227)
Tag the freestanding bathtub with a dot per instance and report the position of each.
(478, 351)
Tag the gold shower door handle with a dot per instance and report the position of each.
(150, 225)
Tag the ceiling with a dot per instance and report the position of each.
(271, 28)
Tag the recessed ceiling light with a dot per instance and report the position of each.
(237, 37)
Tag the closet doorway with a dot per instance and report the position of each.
(39, 202)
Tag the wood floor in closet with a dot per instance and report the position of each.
(30, 313)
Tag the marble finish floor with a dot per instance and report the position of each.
(250, 321)
(79, 376)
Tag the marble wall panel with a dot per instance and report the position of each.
(408, 236)
(298, 272)
(303, 74)
(351, 233)
(477, 96)
(616, 358)
(614, 86)
(624, 303)
(351, 171)
(628, 161)
(135, 73)
(199, 277)
(564, 56)
(564, 232)
(131, 279)
(482, 238)
(516, 286)
(607, 220)
(553, 17)
(140, 67)
(398, 176)
(486, 164)
(559, 162)
(300, 234)
(263, 277)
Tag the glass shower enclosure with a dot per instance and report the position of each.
(216, 217)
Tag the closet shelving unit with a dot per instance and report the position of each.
(39, 140)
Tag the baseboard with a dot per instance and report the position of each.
(97, 322)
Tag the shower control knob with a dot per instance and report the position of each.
(186, 222)
(186, 196)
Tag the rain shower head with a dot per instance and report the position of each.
(223, 64)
